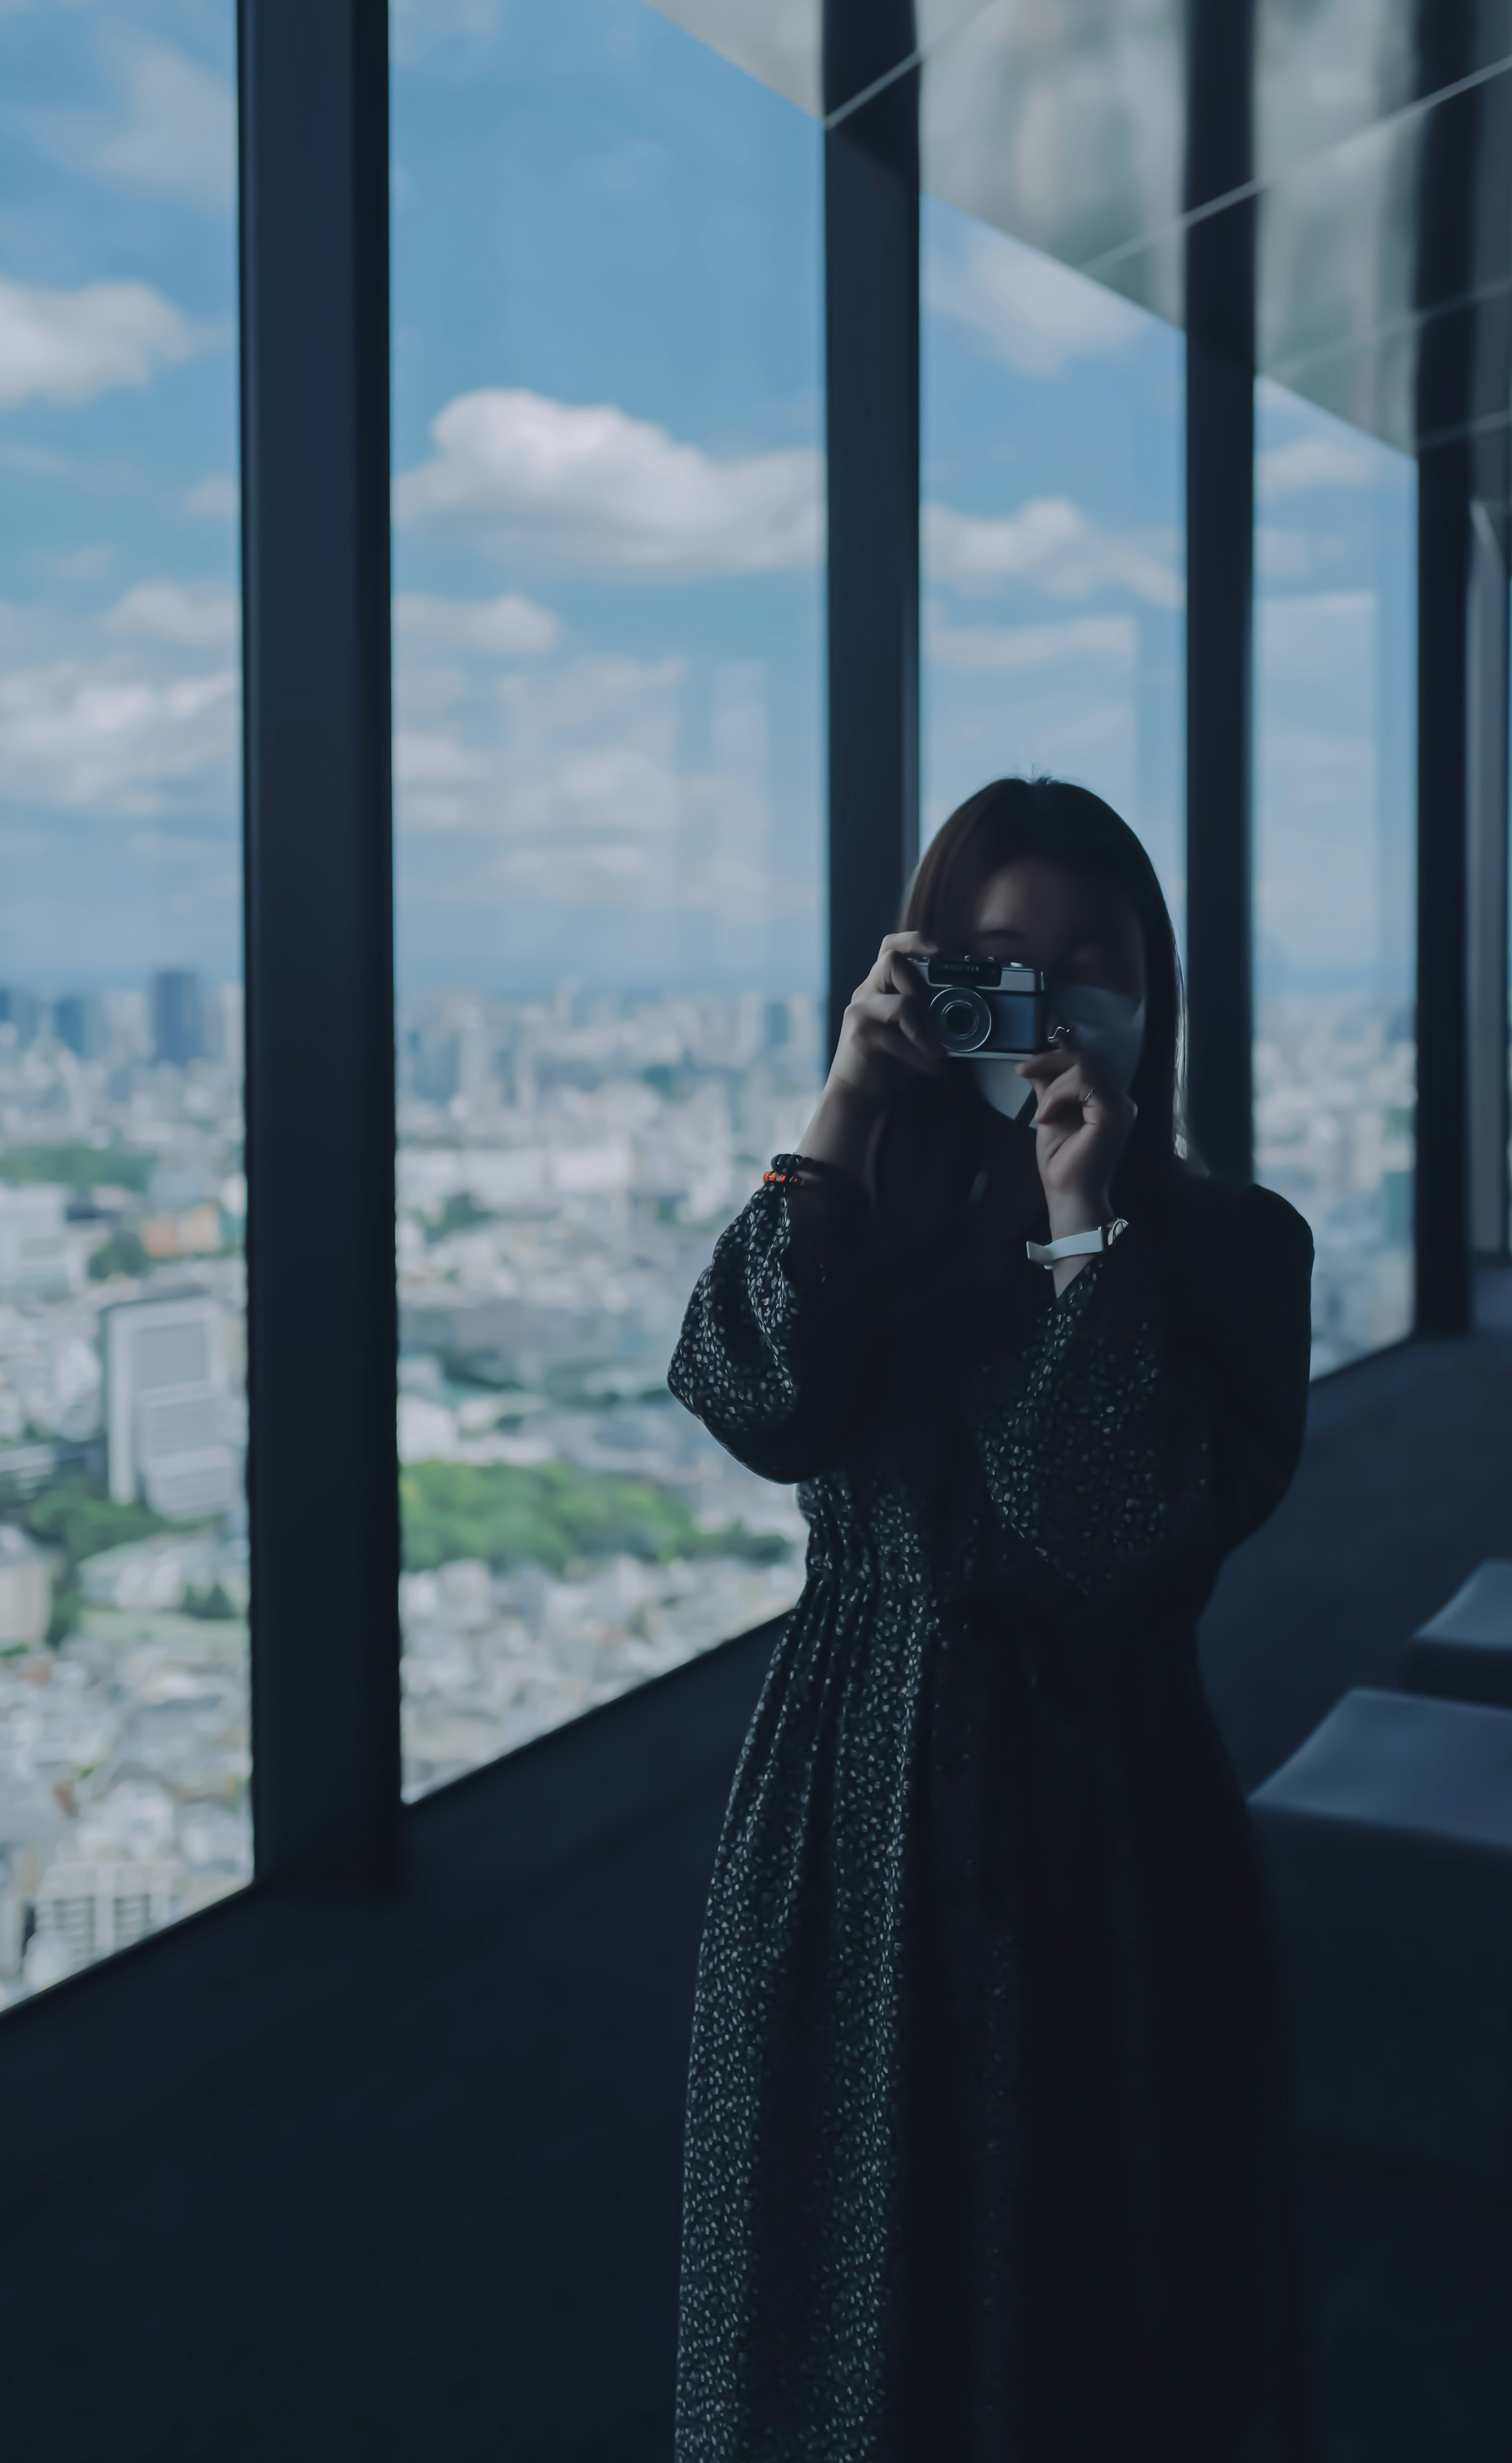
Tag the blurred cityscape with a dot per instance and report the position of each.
(1334, 1100)
(565, 1165)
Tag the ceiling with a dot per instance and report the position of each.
(1379, 164)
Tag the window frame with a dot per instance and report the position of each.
(314, 107)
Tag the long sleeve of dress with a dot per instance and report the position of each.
(774, 1357)
(1159, 1404)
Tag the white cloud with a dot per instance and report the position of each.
(591, 485)
(101, 736)
(171, 132)
(1026, 309)
(967, 548)
(1315, 462)
(1327, 636)
(418, 690)
(588, 748)
(582, 795)
(441, 782)
(509, 628)
(79, 563)
(1012, 648)
(1048, 541)
(67, 346)
(218, 496)
(1306, 772)
(1280, 555)
(422, 25)
(198, 615)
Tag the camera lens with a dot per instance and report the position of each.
(962, 1020)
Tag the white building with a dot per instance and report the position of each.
(26, 1588)
(87, 1908)
(41, 1255)
(169, 1409)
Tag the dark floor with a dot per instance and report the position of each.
(1405, 1486)
(401, 2182)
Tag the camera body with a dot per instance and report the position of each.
(981, 1009)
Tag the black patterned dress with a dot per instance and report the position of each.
(987, 2152)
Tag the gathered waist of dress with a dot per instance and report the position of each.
(1074, 1655)
(849, 1556)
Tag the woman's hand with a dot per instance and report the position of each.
(884, 1041)
(1081, 1128)
(884, 1034)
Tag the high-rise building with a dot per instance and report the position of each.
(449, 1052)
(178, 1017)
(78, 1021)
(169, 1411)
(20, 1010)
(230, 1019)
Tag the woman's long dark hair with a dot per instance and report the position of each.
(1067, 826)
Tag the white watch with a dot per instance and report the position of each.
(1076, 1244)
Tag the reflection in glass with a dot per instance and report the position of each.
(124, 1589)
(608, 748)
(1052, 538)
(1073, 144)
(1337, 275)
(781, 42)
(1334, 812)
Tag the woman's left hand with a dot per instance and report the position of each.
(1081, 1128)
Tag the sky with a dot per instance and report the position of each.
(609, 623)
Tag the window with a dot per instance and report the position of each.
(123, 1601)
(1052, 538)
(608, 637)
(1335, 648)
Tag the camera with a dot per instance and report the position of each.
(980, 1009)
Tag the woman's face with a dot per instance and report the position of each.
(1074, 928)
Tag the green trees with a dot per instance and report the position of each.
(555, 1515)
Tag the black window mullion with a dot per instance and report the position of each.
(1219, 283)
(871, 215)
(1486, 886)
(1442, 1184)
(1449, 169)
(322, 1472)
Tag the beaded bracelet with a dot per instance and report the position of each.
(798, 1167)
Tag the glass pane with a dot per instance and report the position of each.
(124, 1721)
(608, 753)
(1335, 649)
(1052, 533)
(1070, 136)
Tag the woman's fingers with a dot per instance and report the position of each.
(1057, 1077)
(901, 1011)
(1068, 1092)
(893, 971)
(886, 1022)
(893, 992)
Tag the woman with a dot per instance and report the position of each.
(986, 2128)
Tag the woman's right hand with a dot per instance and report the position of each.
(883, 1042)
(884, 1036)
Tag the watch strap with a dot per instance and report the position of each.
(1076, 1244)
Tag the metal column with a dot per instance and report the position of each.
(1442, 1208)
(1460, 140)
(1486, 882)
(1219, 558)
(871, 246)
(322, 1311)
